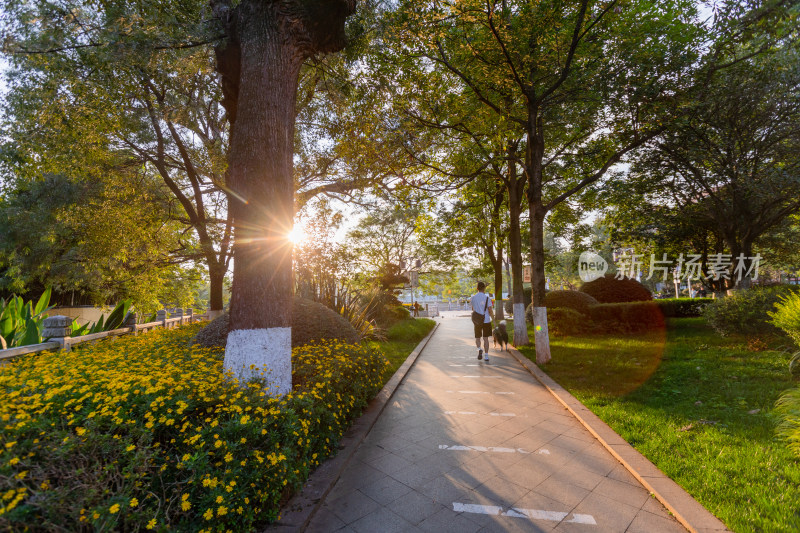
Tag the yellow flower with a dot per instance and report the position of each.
(114, 508)
(222, 511)
(219, 499)
(134, 502)
(131, 447)
(209, 514)
(186, 506)
(151, 524)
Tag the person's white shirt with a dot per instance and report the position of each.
(478, 301)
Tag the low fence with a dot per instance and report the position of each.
(58, 328)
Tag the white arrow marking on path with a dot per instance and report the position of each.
(493, 449)
(486, 377)
(476, 392)
(533, 514)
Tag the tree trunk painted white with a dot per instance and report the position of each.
(261, 353)
(541, 336)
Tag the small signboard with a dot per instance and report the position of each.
(526, 273)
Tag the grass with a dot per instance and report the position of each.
(402, 338)
(700, 407)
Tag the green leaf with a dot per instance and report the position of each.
(76, 330)
(32, 335)
(43, 303)
(97, 327)
(117, 315)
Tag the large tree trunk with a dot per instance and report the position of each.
(216, 278)
(515, 258)
(498, 285)
(260, 62)
(533, 159)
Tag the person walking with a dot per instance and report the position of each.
(482, 307)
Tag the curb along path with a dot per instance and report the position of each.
(463, 446)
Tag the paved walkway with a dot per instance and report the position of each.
(467, 447)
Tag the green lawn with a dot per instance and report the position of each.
(402, 338)
(700, 407)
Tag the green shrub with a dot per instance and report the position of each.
(21, 323)
(410, 330)
(747, 311)
(683, 307)
(794, 366)
(576, 300)
(311, 321)
(383, 308)
(627, 317)
(788, 410)
(786, 315)
(563, 322)
(609, 289)
(144, 432)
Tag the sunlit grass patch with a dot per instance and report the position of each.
(698, 405)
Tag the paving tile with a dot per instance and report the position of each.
(623, 492)
(499, 488)
(447, 521)
(415, 507)
(416, 452)
(645, 522)
(620, 473)
(352, 506)
(390, 463)
(385, 490)
(382, 520)
(444, 490)
(609, 514)
(356, 476)
(324, 521)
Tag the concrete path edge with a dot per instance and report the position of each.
(298, 511)
(686, 509)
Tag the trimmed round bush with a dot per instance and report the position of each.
(609, 290)
(747, 311)
(311, 321)
(576, 300)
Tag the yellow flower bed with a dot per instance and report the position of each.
(145, 433)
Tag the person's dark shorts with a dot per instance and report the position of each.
(484, 330)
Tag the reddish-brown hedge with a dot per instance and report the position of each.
(609, 290)
(579, 301)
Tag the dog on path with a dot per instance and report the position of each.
(500, 335)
